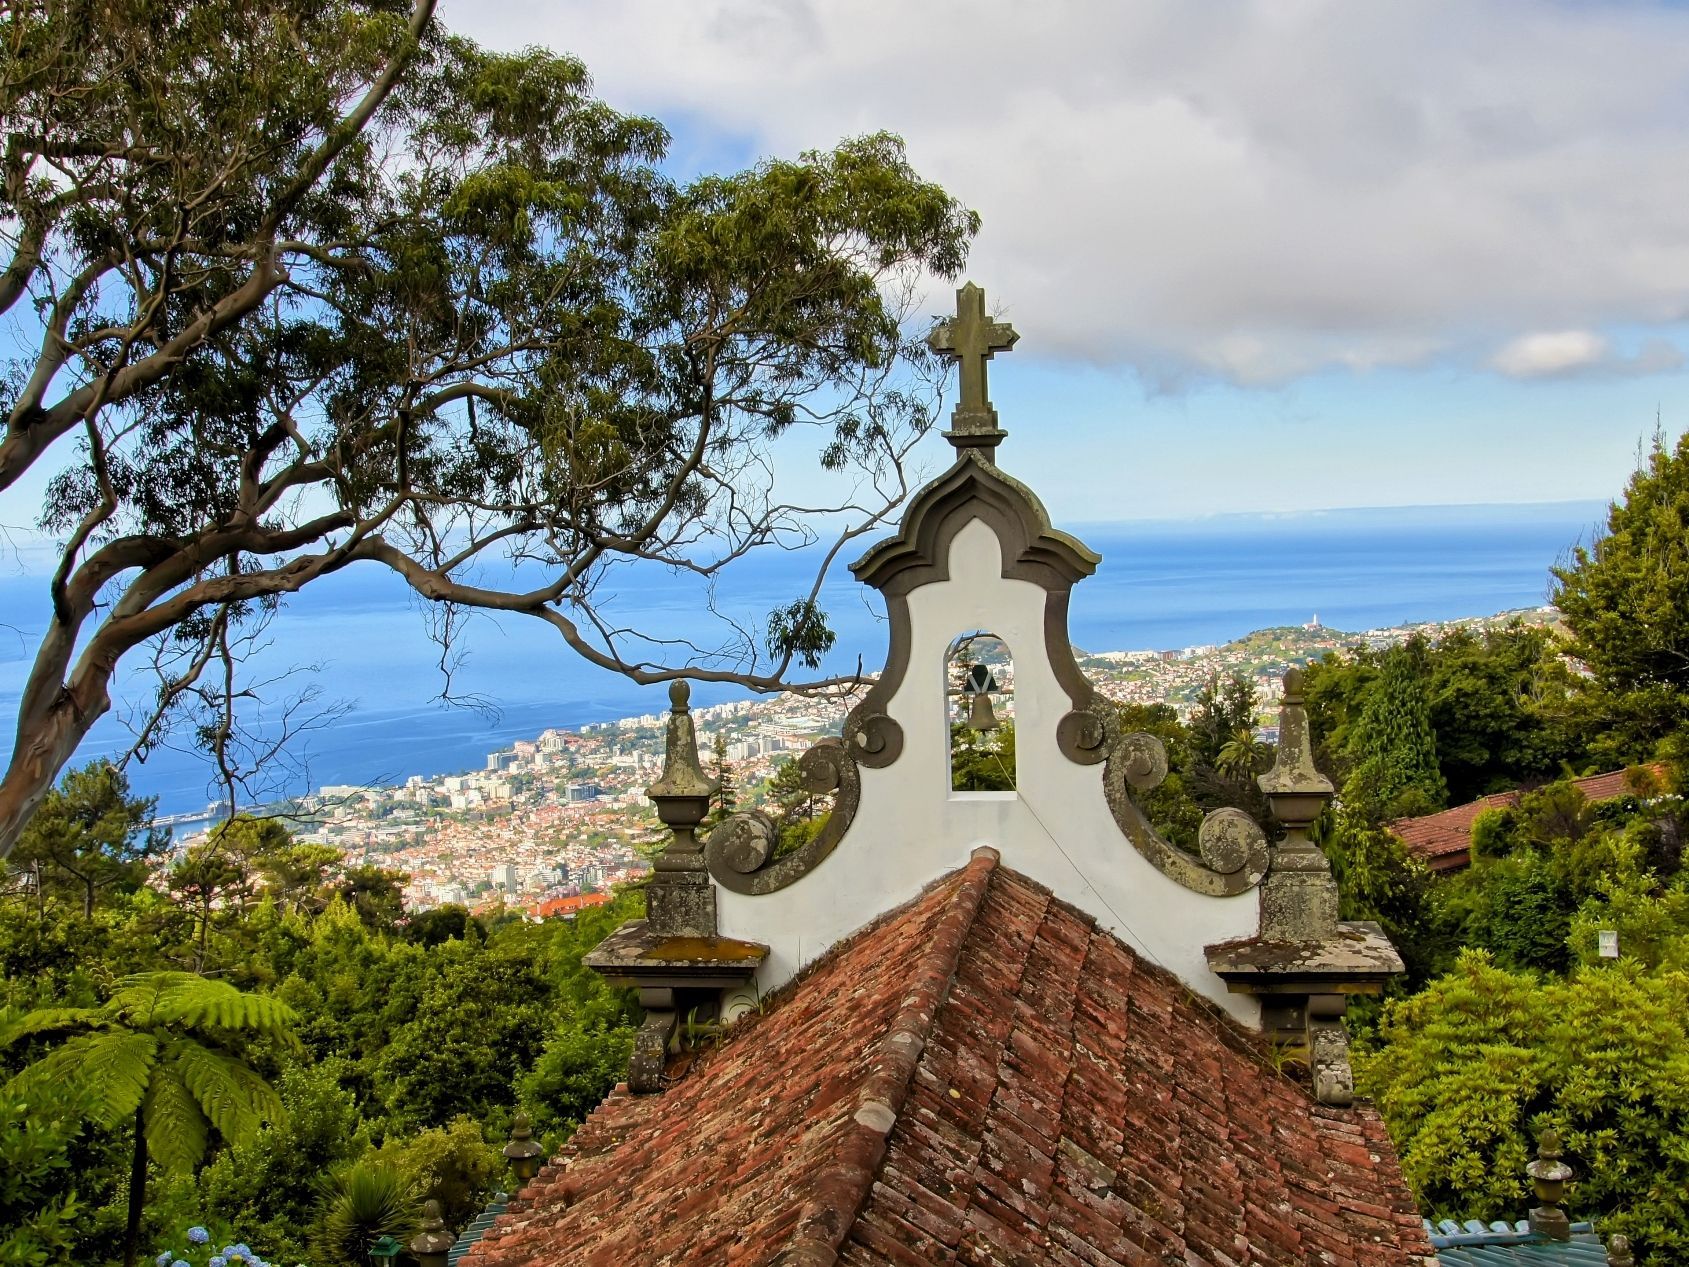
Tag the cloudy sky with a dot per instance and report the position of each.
(1264, 256)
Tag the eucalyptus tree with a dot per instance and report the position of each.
(309, 285)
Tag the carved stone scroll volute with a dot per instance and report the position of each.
(1232, 847)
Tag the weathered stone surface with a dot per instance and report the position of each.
(1359, 954)
(682, 905)
(637, 954)
(971, 338)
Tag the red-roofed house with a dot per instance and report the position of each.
(1444, 839)
(566, 907)
(981, 1076)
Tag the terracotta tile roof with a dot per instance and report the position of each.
(1444, 839)
(982, 1077)
(553, 907)
(1448, 833)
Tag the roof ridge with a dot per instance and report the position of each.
(841, 1187)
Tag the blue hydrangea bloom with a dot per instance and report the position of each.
(166, 1258)
(218, 1261)
(181, 1262)
(198, 1236)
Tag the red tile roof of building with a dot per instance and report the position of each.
(981, 1077)
(1444, 839)
(553, 907)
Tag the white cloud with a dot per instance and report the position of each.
(1536, 355)
(1557, 353)
(1255, 191)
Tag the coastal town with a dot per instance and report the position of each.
(551, 824)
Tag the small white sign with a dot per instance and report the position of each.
(1607, 943)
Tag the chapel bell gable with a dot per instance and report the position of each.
(976, 556)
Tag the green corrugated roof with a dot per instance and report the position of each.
(1475, 1244)
(476, 1230)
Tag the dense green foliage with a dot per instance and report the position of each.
(1474, 1067)
(1499, 706)
(982, 760)
(1511, 1022)
(370, 1042)
(1396, 770)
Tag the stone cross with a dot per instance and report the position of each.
(970, 338)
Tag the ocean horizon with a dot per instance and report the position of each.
(1162, 584)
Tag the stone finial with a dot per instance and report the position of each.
(1305, 963)
(673, 956)
(431, 1246)
(970, 338)
(682, 794)
(1299, 900)
(1618, 1251)
(1548, 1177)
(522, 1152)
(680, 901)
(1294, 786)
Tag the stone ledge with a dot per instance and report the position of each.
(1359, 959)
(635, 955)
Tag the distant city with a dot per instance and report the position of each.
(553, 823)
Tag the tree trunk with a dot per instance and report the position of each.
(137, 1193)
(45, 743)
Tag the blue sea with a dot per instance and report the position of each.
(1161, 585)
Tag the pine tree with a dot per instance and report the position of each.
(1397, 771)
(1626, 601)
(727, 790)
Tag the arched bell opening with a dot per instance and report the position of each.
(979, 676)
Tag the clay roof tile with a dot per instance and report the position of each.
(983, 1076)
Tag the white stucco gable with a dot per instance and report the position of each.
(1056, 827)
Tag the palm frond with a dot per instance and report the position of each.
(112, 1067)
(176, 1128)
(360, 1203)
(237, 1101)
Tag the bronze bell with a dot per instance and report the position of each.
(981, 684)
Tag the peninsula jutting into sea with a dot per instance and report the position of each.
(561, 816)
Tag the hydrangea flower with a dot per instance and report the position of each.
(198, 1236)
(218, 1261)
(181, 1262)
(166, 1258)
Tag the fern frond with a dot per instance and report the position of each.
(111, 1067)
(135, 998)
(47, 1020)
(237, 1101)
(176, 1128)
(183, 999)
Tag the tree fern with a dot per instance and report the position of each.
(15, 1026)
(185, 1001)
(237, 1101)
(112, 1067)
(176, 1127)
(155, 1051)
